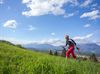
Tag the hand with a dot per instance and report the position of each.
(77, 48)
(62, 46)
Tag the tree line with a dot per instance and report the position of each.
(91, 58)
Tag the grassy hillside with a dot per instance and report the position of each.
(14, 60)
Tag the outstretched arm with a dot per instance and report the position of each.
(78, 50)
(76, 47)
(64, 46)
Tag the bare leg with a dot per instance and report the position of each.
(66, 57)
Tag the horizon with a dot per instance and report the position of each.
(28, 21)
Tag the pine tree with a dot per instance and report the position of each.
(56, 53)
(63, 54)
(93, 58)
(50, 52)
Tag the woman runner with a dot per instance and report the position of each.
(72, 46)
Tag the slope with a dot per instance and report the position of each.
(14, 60)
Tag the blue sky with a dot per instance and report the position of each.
(48, 21)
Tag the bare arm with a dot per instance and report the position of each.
(78, 50)
(76, 47)
(64, 46)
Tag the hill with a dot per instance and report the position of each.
(6, 42)
(87, 48)
(14, 60)
(94, 48)
(41, 46)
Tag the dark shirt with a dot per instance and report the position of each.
(70, 42)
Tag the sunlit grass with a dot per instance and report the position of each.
(14, 60)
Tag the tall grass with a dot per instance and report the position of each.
(14, 60)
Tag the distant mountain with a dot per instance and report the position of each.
(91, 48)
(41, 46)
(94, 48)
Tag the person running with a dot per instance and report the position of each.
(72, 46)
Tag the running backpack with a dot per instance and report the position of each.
(72, 41)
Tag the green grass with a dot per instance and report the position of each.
(14, 60)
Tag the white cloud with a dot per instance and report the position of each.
(93, 8)
(97, 41)
(42, 7)
(1, 1)
(86, 3)
(15, 41)
(87, 25)
(94, 5)
(75, 3)
(25, 1)
(10, 24)
(87, 36)
(91, 15)
(69, 15)
(97, 31)
(83, 39)
(8, 7)
(31, 27)
(52, 33)
(55, 42)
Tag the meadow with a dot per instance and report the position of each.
(14, 60)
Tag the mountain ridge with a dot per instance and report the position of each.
(92, 47)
